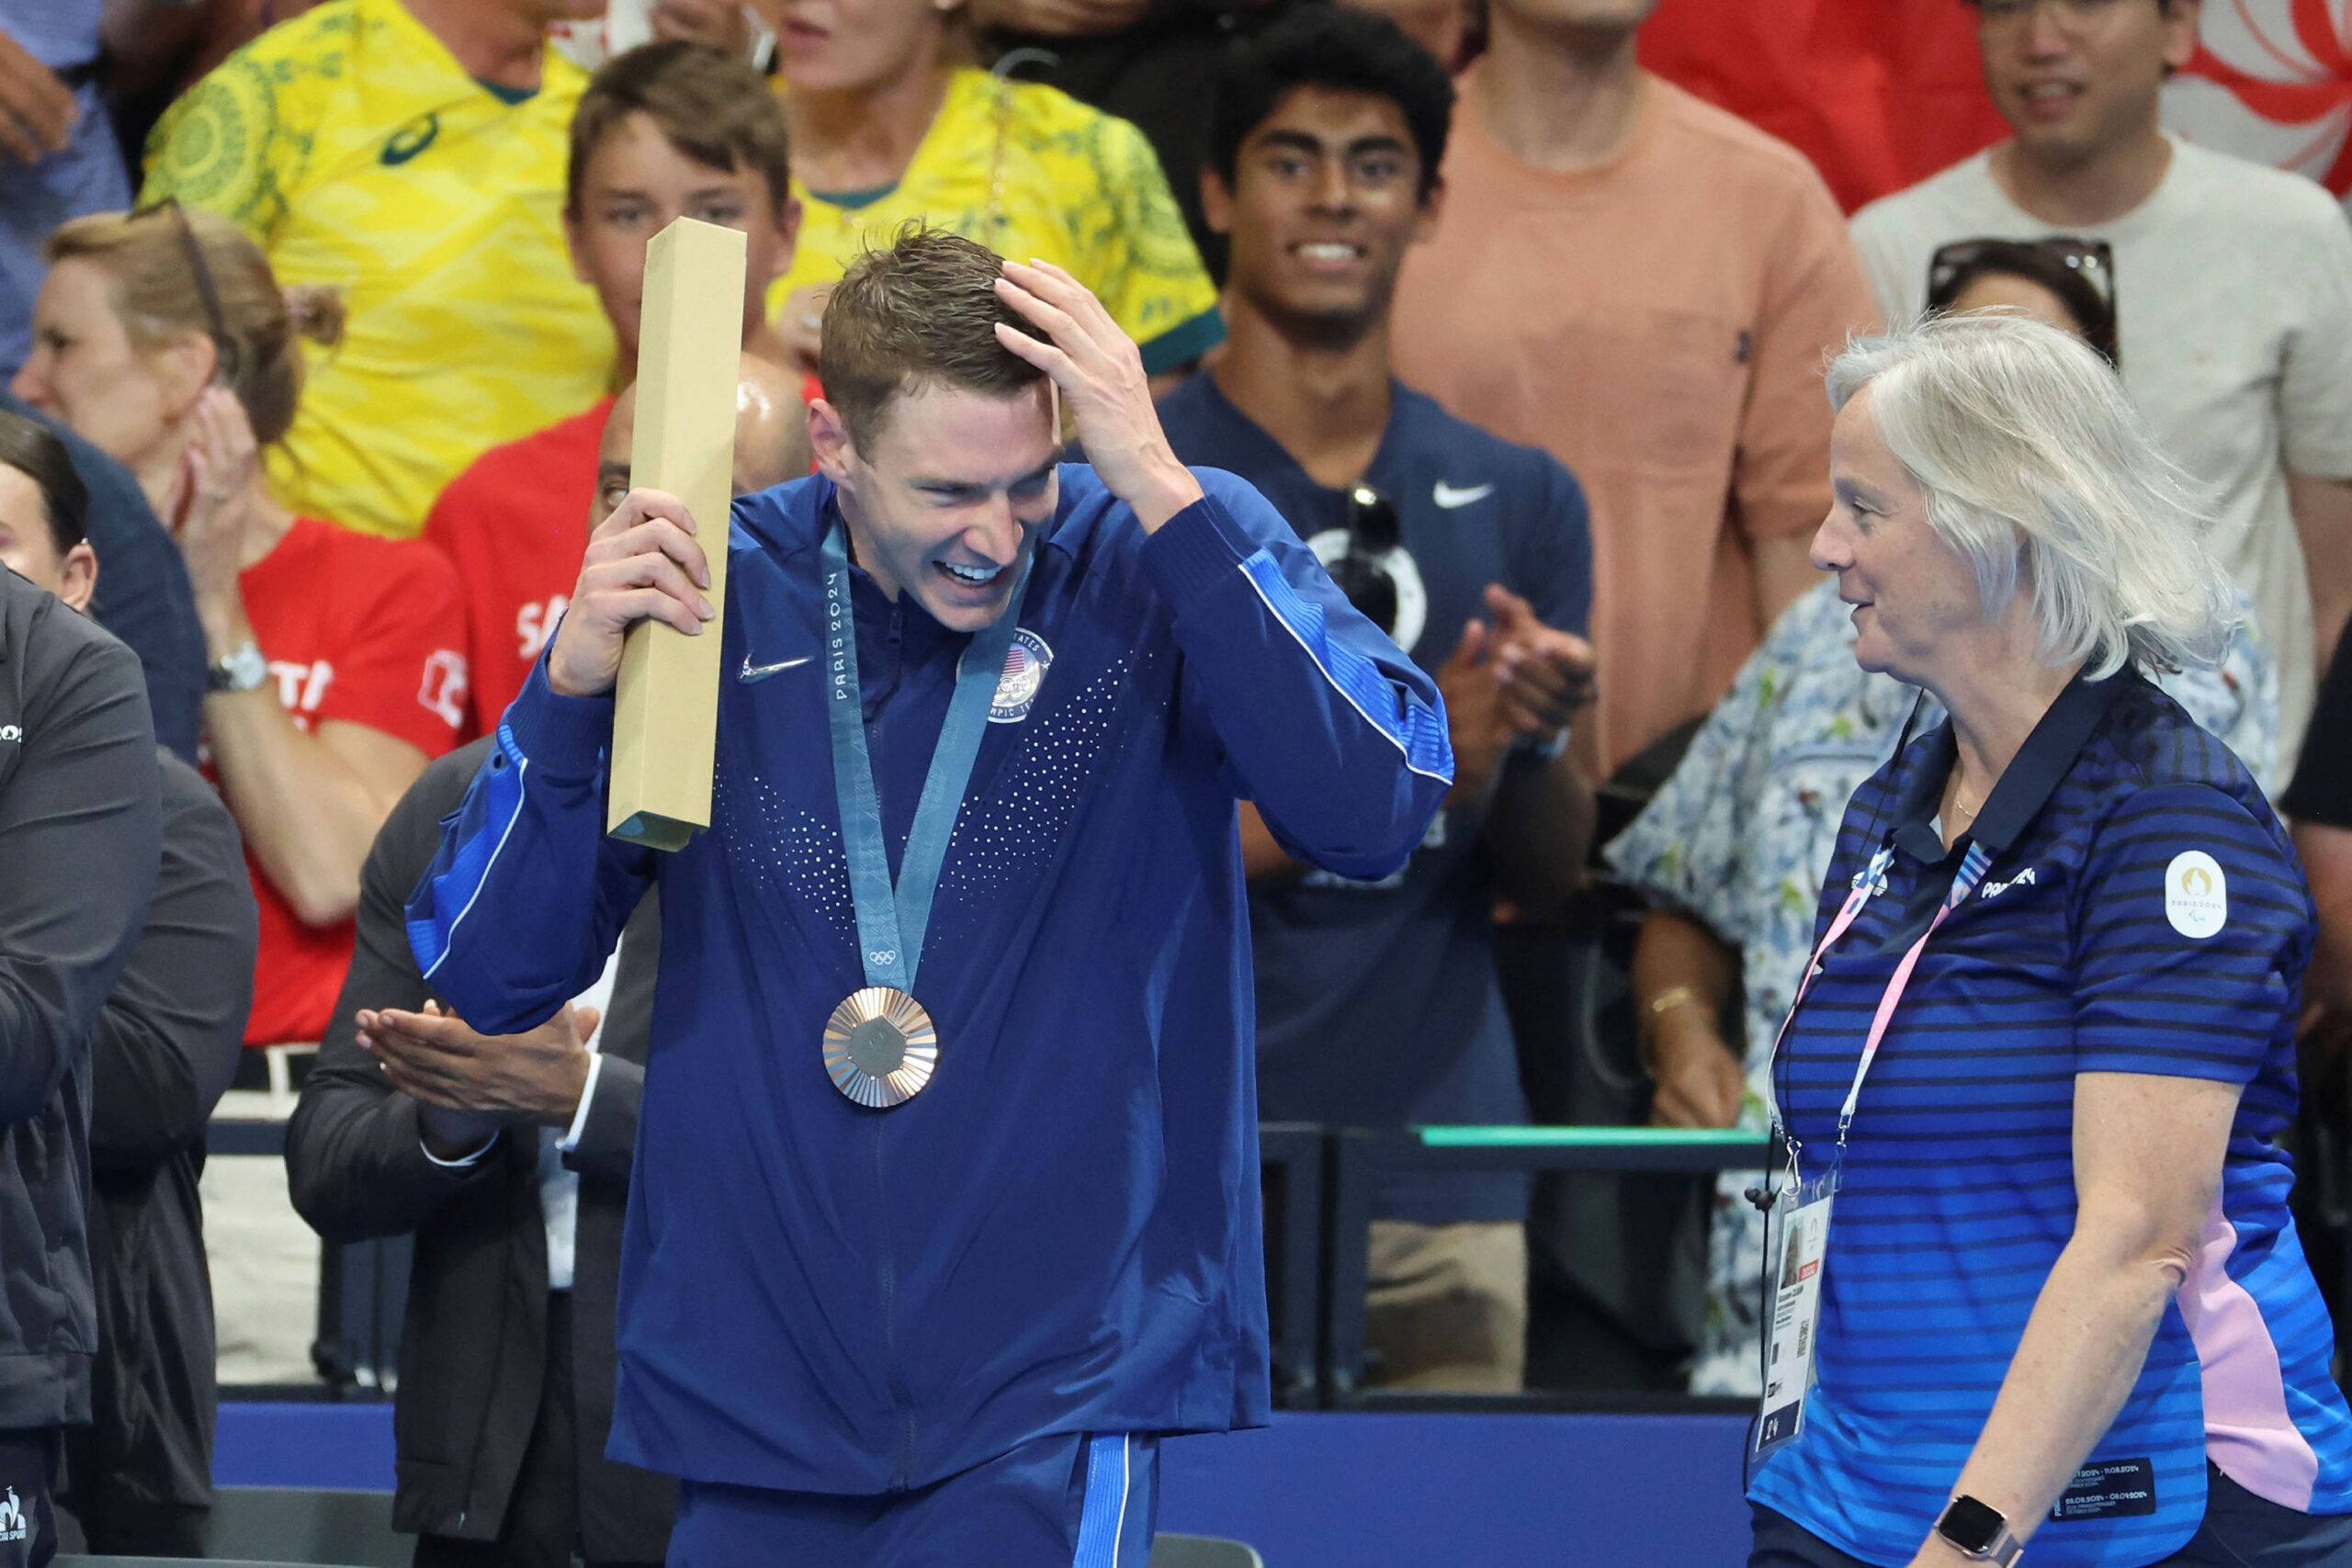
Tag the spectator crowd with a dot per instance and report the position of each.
(319, 326)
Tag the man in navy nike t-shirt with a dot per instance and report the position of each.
(1378, 1003)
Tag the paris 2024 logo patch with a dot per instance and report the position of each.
(2197, 896)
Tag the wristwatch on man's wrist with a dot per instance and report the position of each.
(1979, 1531)
(242, 669)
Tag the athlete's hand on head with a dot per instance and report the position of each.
(643, 564)
(1100, 372)
(1545, 674)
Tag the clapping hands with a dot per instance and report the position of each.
(1512, 682)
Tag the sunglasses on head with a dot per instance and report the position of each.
(2093, 261)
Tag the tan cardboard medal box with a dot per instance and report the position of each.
(666, 718)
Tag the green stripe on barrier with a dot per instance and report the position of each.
(1589, 1139)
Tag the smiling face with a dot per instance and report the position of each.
(633, 184)
(1917, 605)
(2078, 78)
(1326, 199)
(947, 497)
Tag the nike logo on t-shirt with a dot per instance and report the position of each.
(1446, 495)
(751, 671)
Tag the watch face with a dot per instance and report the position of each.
(1971, 1524)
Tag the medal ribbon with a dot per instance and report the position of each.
(1873, 880)
(890, 920)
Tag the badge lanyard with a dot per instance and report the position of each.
(1868, 881)
(890, 920)
(1798, 1236)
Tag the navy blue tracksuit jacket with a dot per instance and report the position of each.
(1061, 1233)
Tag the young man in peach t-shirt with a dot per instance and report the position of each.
(1644, 287)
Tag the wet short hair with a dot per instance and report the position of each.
(40, 453)
(711, 107)
(1341, 49)
(2037, 467)
(920, 313)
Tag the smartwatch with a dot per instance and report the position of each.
(242, 669)
(1979, 1531)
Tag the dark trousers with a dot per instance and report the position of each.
(124, 1526)
(2240, 1530)
(28, 1462)
(542, 1525)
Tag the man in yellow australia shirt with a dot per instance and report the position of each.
(886, 127)
(410, 154)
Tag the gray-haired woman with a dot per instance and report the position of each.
(2034, 1075)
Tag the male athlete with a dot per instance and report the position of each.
(946, 1206)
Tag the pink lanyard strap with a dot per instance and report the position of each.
(1871, 880)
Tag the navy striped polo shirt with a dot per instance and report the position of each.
(2143, 912)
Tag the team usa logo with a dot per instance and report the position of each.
(1025, 664)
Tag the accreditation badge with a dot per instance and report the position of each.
(1797, 1242)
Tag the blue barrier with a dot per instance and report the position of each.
(1315, 1490)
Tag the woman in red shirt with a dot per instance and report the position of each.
(338, 659)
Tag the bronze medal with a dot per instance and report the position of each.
(880, 1047)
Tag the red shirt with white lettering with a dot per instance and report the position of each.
(515, 525)
(356, 630)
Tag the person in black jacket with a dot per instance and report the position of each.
(81, 838)
(139, 1478)
(506, 1356)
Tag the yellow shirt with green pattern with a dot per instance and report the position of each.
(352, 146)
(1029, 171)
